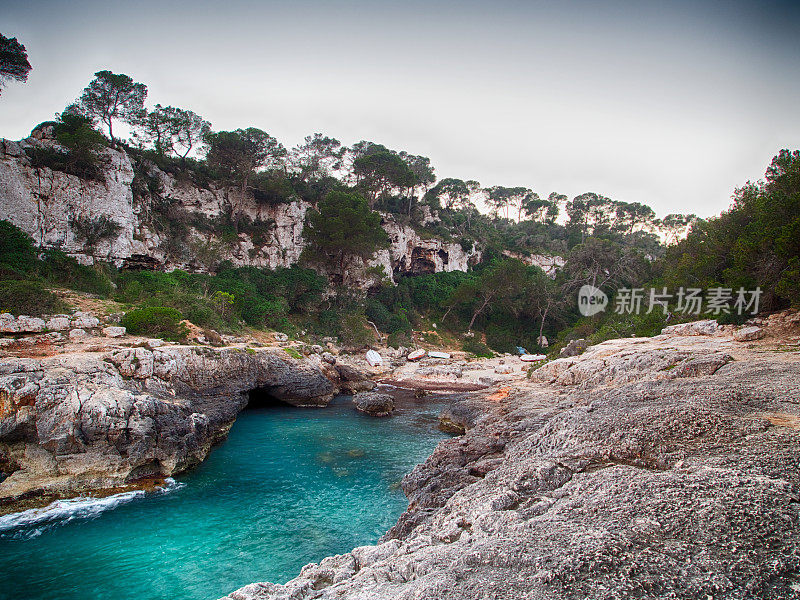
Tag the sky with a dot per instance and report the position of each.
(673, 104)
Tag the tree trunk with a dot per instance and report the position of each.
(477, 312)
(111, 132)
(541, 325)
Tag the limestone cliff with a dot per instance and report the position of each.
(171, 220)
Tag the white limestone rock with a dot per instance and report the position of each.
(8, 323)
(85, 321)
(26, 324)
(59, 323)
(114, 332)
(705, 327)
(748, 334)
(77, 334)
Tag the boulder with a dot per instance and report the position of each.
(705, 327)
(574, 348)
(85, 321)
(329, 358)
(748, 334)
(8, 323)
(77, 334)
(213, 337)
(280, 337)
(113, 332)
(59, 323)
(374, 403)
(316, 349)
(503, 369)
(353, 380)
(26, 324)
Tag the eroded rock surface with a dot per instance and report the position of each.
(658, 468)
(83, 421)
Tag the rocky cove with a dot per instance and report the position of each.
(659, 467)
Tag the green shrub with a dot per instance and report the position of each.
(356, 331)
(399, 338)
(502, 340)
(293, 353)
(93, 230)
(16, 248)
(83, 143)
(475, 346)
(28, 298)
(155, 321)
(60, 269)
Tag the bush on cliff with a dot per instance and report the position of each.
(59, 269)
(82, 144)
(28, 298)
(155, 321)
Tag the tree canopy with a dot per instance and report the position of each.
(173, 130)
(342, 228)
(14, 63)
(755, 243)
(111, 96)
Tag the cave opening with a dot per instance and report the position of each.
(262, 397)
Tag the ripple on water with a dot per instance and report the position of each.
(35, 521)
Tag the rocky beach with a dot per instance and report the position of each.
(664, 467)
(660, 467)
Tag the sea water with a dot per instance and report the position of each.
(288, 487)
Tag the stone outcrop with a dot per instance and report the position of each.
(705, 327)
(650, 468)
(574, 348)
(352, 381)
(83, 421)
(140, 198)
(374, 404)
(748, 334)
(548, 263)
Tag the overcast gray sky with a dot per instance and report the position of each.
(668, 103)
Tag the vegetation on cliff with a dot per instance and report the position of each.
(504, 299)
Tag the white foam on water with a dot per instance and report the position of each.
(33, 522)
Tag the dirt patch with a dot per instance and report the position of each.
(500, 394)
(84, 302)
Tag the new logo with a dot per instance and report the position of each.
(591, 300)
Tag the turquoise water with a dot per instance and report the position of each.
(288, 487)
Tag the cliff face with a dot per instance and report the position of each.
(168, 221)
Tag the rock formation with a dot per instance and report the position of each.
(83, 421)
(374, 403)
(644, 468)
